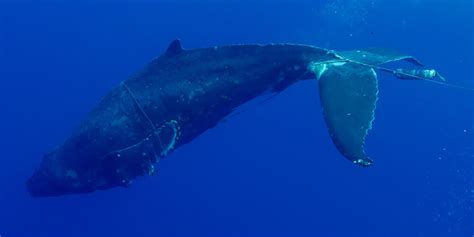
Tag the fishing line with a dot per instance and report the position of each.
(399, 73)
(443, 82)
(449, 85)
(144, 114)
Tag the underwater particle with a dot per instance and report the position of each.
(151, 170)
(346, 14)
(225, 97)
(71, 174)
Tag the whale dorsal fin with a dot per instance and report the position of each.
(174, 48)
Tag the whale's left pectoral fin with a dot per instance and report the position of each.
(348, 94)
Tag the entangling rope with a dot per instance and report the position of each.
(144, 114)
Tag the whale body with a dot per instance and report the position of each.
(183, 93)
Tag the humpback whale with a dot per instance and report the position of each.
(183, 93)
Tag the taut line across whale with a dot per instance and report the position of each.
(183, 93)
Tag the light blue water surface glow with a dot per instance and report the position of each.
(269, 171)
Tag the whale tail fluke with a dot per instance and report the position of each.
(348, 90)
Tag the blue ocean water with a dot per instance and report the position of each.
(268, 171)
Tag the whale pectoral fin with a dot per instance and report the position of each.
(348, 94)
